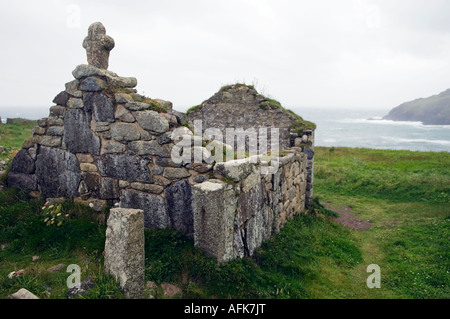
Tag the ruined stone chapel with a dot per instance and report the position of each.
(103, 144)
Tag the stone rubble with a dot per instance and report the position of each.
(22, 294)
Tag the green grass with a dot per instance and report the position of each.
(12, 135)
(405, 195)
(193, 108)
(393, 175)
(284, 267)
(78, 241)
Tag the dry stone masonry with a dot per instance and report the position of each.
(233, 218)
(104, 144)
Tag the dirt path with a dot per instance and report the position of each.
(346, 218)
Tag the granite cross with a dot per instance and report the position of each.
(98, 45)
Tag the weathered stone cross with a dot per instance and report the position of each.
(98, 45)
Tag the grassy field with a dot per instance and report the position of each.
(12, 135)
(405, 195)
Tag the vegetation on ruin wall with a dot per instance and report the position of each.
(405, 195)
(193, 108)
(137, 98)
(298, 127)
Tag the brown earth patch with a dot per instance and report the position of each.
(346, 218)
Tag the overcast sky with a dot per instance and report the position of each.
(322, 53)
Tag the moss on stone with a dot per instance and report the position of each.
(235, 86)
(274, 104)
(191, 109)
(153, 105)
(298, 126)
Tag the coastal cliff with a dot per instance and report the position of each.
(434, 110)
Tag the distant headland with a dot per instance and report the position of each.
(434, 110)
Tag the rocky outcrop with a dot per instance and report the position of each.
(434, 110)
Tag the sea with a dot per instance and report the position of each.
(365, 128)
(338, 127)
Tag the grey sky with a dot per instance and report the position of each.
(346, 53)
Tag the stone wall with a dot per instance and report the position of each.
(103, 143)
(233, 218)
(241, 106)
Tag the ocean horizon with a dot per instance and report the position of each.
(363, 128)
(367, 129)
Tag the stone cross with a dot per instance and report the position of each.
(98, 45)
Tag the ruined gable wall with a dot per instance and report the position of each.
(241, 106)
(103, 143)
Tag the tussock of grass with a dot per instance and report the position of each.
(235, 86)
(192, 109)
(153, 105)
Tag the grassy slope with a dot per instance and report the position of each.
(13, 135)
(404, 194)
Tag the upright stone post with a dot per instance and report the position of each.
(124, 250)
(214, 207)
